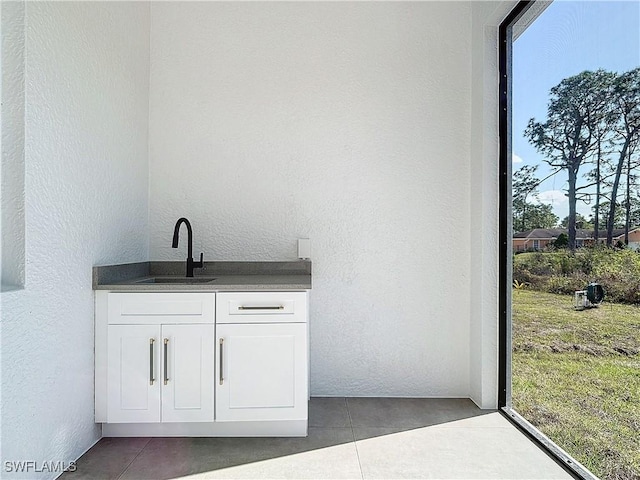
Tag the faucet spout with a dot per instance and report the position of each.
(176, 234)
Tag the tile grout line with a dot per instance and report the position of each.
(134, 459)
(353, 434)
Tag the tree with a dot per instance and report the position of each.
(634, 213)
(569, 137)
(544, 217)
(528, 215)
(524, 184)
(627, 102)
(631, 181)
(603, 130)
(562, 241)
(540, 216)
(580, 222)
(618, 220)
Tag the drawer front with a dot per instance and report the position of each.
(154, 308)
(261, 307)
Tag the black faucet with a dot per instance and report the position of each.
(190, 263)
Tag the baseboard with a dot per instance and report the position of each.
(289, 428)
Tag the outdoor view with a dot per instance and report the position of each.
(576, 231)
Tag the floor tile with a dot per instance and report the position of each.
(390, 438)
(328, 412)
(464, 452)
(488, 418)
(165, 458)
(336, 462)
(107, 459)
(363, 433)
(409, 412)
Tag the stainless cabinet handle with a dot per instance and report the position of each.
(269, 307)
(151, 378)
(221, 366)
(166, 374)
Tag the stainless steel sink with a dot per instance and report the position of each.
(177, 280)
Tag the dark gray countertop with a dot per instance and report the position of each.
(225, 276)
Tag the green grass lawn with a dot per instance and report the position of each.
(576, 377)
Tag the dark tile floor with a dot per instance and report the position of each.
(348, 438)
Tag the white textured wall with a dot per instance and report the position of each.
(347, 123)
(12, 240)
(86, 201)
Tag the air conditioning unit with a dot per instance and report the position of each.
(591, 297)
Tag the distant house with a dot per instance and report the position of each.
(539, 238)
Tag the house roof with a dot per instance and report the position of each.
(540, 233)
(552, 233)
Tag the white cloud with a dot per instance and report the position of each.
(551, 197)
(516, 159)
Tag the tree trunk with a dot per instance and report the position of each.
(571, 223)
(596, 215)
(628, 205)
(614, 192)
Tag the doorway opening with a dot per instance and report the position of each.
(570, 215)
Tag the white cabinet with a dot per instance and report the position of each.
(202, 363)
(160, 372)
(262, 367)
(133, 393)
(187, 395)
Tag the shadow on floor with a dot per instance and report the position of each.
(333, 422)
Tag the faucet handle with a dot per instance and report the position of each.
(199, 264)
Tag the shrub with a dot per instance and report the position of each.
(562, 241)
(566, 283)
(523, 275)
(562, 271)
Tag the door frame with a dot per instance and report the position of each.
(505, 267)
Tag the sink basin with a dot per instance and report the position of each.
(177, 280)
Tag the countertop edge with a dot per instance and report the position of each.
(200, 288)
(230, 276)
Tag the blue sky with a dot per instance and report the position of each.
(568, 38)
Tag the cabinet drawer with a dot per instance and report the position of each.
(154, 308)
(261, 307)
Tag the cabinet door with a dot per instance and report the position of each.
(133, 383)
(188, 375)
(261, 373)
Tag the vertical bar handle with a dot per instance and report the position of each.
(166, 373)
(221, 365)
(151, 369)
